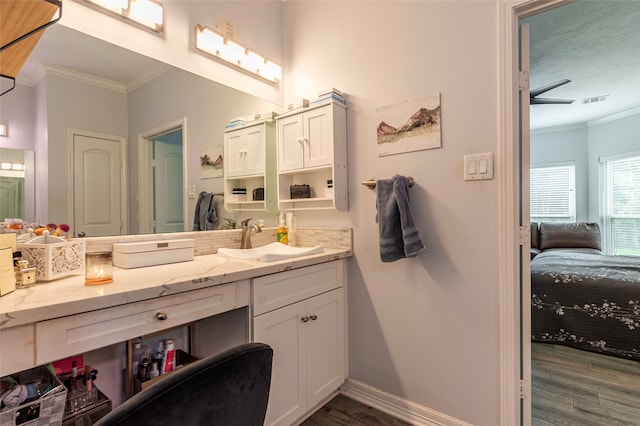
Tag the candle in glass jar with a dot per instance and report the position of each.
(98, 268)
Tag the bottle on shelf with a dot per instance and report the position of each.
(139, 351)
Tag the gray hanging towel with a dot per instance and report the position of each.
(399, 237)
(205, 214)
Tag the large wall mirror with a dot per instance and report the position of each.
(79, 96)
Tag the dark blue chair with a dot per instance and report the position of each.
(226, 389)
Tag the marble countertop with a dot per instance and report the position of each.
(69, 295)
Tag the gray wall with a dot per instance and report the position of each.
(565, 144)
(72, 104)
(609, 137)
(585, 144)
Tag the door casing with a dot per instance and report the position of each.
(145, 178)
(512, 238)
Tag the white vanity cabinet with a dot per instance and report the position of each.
(301, 315)
(250, 163)
(312, 149)
(17, 349)
(65, 336)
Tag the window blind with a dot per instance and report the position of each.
(553, 193)
(620, 205)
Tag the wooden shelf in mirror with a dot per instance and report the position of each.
(17, 18)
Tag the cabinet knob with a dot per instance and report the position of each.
(299, 141)
(305, 140)
(305, 319)
(313, 317)
(161, 316)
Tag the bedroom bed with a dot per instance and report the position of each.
(582, 298)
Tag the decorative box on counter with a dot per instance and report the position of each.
(149, 253)
(54, 257)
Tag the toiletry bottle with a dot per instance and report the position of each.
(74, 376)
(138, 352)
(169, 354)
(282, 233)
(160, 355)
(154, 370)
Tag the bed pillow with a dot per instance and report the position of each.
(535, 236)
(569, 235)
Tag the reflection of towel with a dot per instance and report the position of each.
(399, 236)
(15, 396)
(205, 216)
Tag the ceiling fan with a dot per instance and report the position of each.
(533, 100)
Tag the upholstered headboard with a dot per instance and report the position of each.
(569, 235)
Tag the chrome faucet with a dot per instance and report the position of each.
(245, 243)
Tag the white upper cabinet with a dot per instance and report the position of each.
(245, 151)
(250, 166)
(312, 150)
(306, 139)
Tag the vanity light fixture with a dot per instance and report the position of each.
(4, 130)
(149, 13)
(218, 45)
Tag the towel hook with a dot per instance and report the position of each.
(371, 183)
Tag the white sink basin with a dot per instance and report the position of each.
(270, 252)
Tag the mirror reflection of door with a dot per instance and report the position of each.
(168, 182)
(97, 184)
(12, 187)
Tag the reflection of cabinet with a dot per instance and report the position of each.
(312, 149)
(250, 163)
(300, 314)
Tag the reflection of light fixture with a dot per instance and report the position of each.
(4, 130)
(12, 166)
(146, 12)
(216, 44)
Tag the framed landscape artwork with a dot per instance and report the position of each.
(410, 125)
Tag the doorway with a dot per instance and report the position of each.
(162, 179)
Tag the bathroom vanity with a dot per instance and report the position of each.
(55, 320)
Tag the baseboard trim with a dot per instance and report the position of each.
(397, 407)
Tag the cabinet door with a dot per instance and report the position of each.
(290, 143)
(325, 345)
(318, 140)
(255, 150)
(284, 331)
(235, 144)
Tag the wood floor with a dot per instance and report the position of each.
(569, 387)
(342, 411)
(574, 387)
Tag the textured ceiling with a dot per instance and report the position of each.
(596, 45)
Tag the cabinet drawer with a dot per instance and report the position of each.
(16, 349)
(278, 290)
(66, 336)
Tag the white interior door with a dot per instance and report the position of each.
(168, 185)
(97, 182)
(525, 257)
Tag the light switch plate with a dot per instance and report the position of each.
(191, 190)
(478, 166)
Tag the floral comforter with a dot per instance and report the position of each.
(588, 301)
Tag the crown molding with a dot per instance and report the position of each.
(614, 117)
(84, 78)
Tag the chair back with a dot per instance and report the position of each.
(226, 389)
